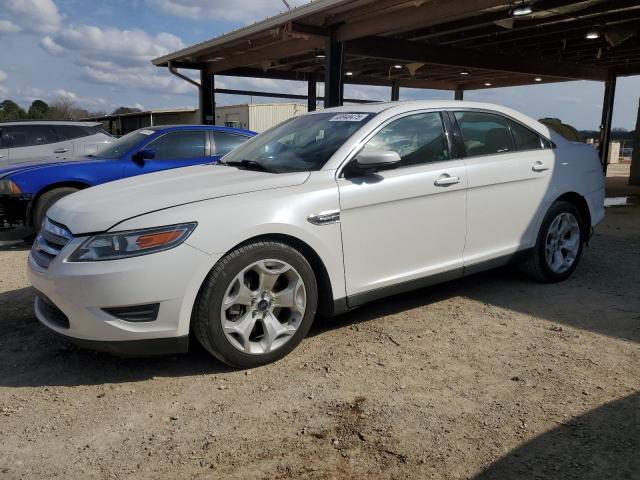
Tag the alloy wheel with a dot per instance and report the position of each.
(263, 306)
(562, 242)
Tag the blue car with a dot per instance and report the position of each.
(28, 190)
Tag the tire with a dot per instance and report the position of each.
(241, 278)
(539, 266)
(46, 201)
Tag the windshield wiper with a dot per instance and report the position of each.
(249, 165)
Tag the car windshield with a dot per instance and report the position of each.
(123, 144)
(301, 144)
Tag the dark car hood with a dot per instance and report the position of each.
(38, 165)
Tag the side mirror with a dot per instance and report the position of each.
(373, 161)
(144, 154)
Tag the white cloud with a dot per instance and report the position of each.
(7, 26)
(50, 45)
(66, 94)
(31, 16)
(236, 11)
(123, 47)
(3, 76)
(149, 79)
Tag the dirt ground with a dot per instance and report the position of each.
(490, 377)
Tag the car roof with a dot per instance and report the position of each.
(410, 105)
(50, 122)
(162, 128)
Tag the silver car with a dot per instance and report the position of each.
(45, 141)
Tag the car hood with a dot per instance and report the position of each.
(21, 167)
(97, 209)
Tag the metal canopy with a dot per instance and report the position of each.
(439, 44)
(453, 45)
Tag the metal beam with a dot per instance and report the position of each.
(290, 96)
(426, 14)
(634, 174)
(402, 50)
(605, 125)
(395, 91)
(312, 95)
(207, 99)
(268, 56)
(459, 94)
(334, 56)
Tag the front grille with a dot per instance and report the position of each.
(50, 312)
(49, 242)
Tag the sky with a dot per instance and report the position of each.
(97, 53)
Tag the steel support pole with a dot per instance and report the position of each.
(605, 125)
(634, 174)
(334, 53)
(311, 95)
(459, 94)
(395, 91)
(207, 99)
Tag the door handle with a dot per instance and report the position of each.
(445, 181)
(61, 150)
(539, 167)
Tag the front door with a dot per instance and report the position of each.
(172, 150)
(408, 223)
(509, 169)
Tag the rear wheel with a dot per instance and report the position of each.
(559, 245)
(46, 201)
(256, 305)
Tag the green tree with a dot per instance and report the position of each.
(10, 110)
(121, 110)
(38, 110)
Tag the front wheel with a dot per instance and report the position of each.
(46, 201)
(559, 244)
(256, 305)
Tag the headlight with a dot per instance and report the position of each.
(132, 243)
(7, 187)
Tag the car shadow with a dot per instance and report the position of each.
(602, 443)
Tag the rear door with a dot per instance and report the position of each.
(35, 143)
(224, 142)
(173, 150)
(509, 169)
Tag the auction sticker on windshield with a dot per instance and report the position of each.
(349, 117)
(146, 132)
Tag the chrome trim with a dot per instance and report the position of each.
(324, 218)
(56, 229)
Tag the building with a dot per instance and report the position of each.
(123, 123)
(257, 116)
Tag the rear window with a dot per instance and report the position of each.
(69, 132)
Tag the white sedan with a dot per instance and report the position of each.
(316, 216)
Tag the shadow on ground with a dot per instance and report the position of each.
(567, 451)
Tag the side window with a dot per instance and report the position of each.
(179, 145)
(417, 138)
(30, 135)
(69, 132)
(484, 133)
(525, 139)
(225, 142)
(4, 138)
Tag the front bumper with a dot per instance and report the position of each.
(15, 217)
(77, 293)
